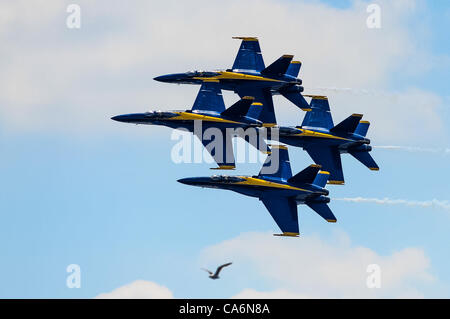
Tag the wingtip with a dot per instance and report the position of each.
(246, 38)
(287, 234)
(317, 97)
(224, 167)
(336, 182)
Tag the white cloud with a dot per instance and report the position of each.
(319, 268)
(139, 289)
(76, 79)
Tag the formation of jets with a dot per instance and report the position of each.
(255, 84)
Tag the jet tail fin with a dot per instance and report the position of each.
(323, 210)
(279, 67)
(366, 159)
(321, 178)
(277, 163)
(294, 68)
(306, 176)
(209, 98)
(239, 109)
(319, 114)
(362, 128)
(255, 110)
(249, 55)
(348, 125)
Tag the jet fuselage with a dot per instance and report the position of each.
(235, 80)
(186, 120)
(308, 137)
(261, 187)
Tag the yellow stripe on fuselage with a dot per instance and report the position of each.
(187, 116)
(252, 181)
(310, 133)
(225, 75)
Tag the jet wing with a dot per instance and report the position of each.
(284, 212)
(330, 159)
(209, 98)
(264, 96)
(220, 148)
(249, 56)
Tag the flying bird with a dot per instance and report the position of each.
(216, 274)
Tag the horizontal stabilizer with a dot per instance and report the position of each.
(294, 68)
(321, 178)
(249, 56)
(366, 159)
(297, 99)
(362, 128)
(279, 67)
(319, 114)
(239, 109)
(348, 125)
(323, 210)
(209, 98)
(306, 176)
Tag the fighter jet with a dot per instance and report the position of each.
(279, 191)
(249, 77)
(216, 274)
(209, 110)
(325, 142)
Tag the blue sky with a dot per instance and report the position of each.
(79, 188)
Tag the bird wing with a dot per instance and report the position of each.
(210, 272)
(220, 268)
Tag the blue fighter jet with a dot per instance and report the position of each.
(209, 110)
(250, 77)
(325, 142)
(279, 191)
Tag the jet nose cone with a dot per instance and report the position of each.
(130, 118)
(161, 78)
(119, 118)
(187, 181)
(168, 78)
